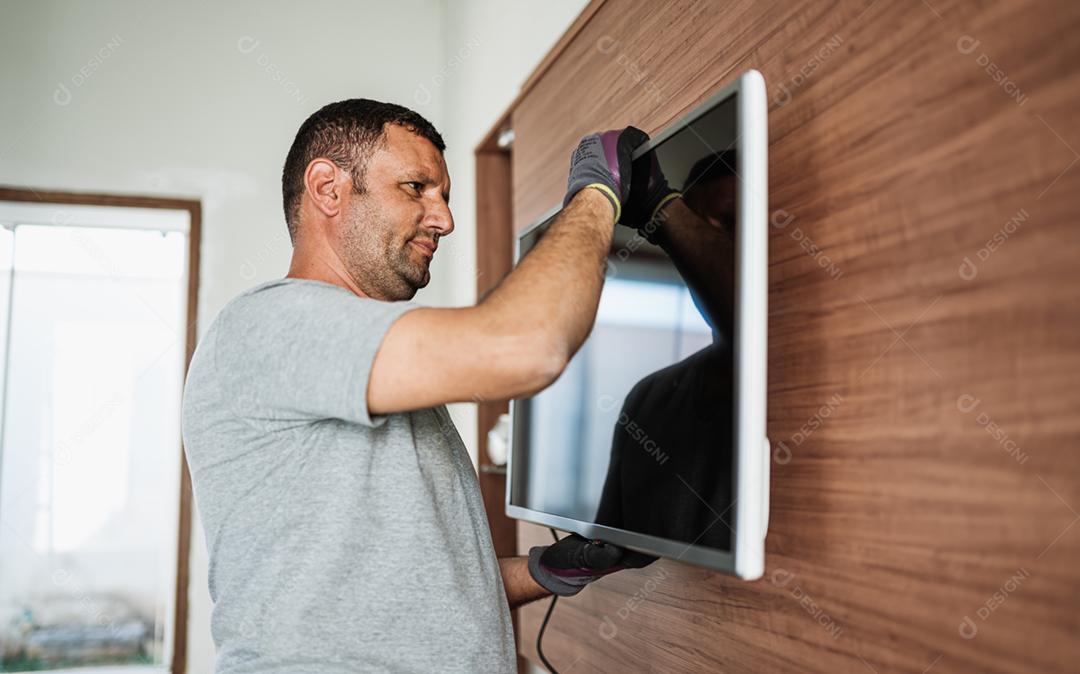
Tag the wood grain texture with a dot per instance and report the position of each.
(897, 150)
(494, 241)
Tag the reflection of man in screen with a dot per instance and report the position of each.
(711, 188)
(670, 472)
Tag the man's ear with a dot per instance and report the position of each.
(324, 185)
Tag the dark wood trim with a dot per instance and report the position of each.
(194, 209)
(490, 142)
(183, 552)
(31, 195)
(494, 257)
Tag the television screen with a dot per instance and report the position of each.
(638, 436)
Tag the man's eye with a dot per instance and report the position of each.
(418, 186)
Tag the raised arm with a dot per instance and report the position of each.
(520, 338)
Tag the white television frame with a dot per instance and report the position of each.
(752, 456)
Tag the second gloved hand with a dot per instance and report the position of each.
(602, 161)
(566, 567)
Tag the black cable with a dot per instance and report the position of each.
(540, 636)
(543, 625)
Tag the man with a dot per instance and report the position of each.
(342, 514)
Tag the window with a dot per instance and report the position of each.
(95, 309)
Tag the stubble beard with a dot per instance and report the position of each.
(376, 257)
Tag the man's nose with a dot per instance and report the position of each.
(439, 217)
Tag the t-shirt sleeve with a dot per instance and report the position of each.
(295, 354)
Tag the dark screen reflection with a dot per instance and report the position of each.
(668, 452)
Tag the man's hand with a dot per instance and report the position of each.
(602, 161)
(649, 192)
(564, 568)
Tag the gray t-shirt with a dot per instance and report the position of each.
(338, 541)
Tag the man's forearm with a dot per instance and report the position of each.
(555, 289)
(519, 584)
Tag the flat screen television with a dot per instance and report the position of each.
(653, 438)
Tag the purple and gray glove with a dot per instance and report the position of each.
(566, 567)
(602, 161)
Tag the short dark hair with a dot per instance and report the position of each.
(346, 133)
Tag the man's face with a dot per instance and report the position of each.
(390, 232)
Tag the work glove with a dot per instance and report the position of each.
(566, 567)
(602, 161)
(649, 191)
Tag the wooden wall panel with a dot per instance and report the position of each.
(494, 259)
(896, 516)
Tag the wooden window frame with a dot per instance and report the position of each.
(194, 209)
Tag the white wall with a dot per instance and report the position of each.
(202, 100)
(489, 49)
